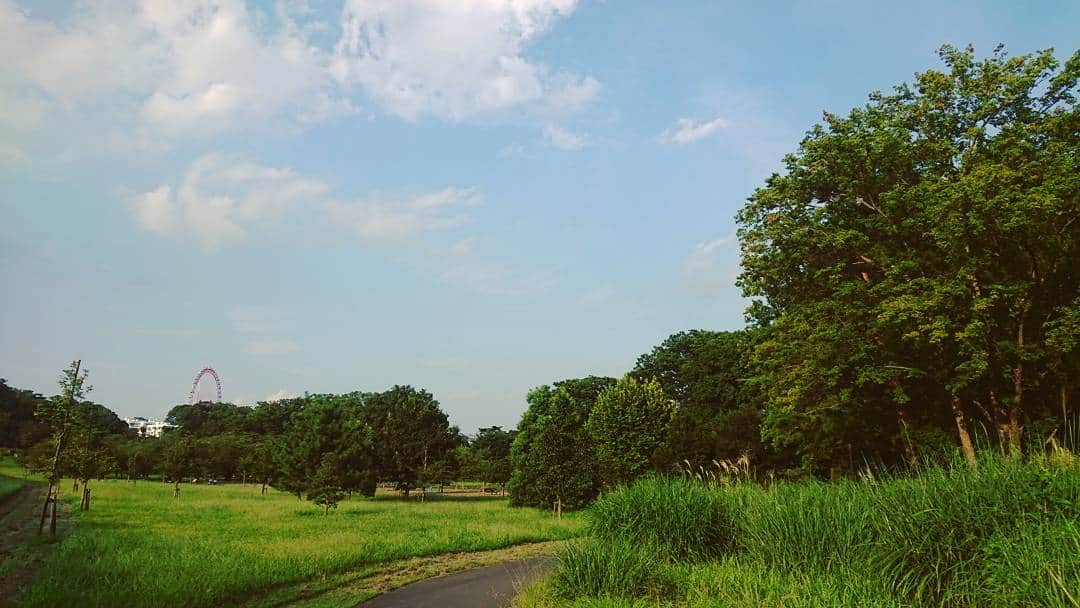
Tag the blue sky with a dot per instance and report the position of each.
(474, 197)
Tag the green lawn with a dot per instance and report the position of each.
(225, 545)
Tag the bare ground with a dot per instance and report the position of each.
(22, 551)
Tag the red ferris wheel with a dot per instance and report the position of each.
(206, 371)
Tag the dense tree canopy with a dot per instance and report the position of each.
(552, 455)
(627, 427)
(917, 259)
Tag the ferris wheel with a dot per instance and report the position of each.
(204, 372)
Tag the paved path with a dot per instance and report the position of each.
(487, 587)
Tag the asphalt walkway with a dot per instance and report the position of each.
(487, 587)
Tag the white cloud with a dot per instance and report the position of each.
(271, 347)
(497, 279)
(462, 247)
(393, 219)
(705, 257)
(599, 296)
(713, 266)
(221, 198)
(511, 151)
(182, 68)
(265, 330)
(687, 130)
(224, 198)
(278, 396)
(563, 139)
(454, 59)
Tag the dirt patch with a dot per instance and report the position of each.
(22, 551)
(350, 588)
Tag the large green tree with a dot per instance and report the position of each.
(627, 426)
(552, 454)
(707, 375)
(412, 434)
(917, 260)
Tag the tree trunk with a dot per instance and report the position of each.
(52, 519)
(1064, 403)
(1016, 408)
(999, 419)
(45, 508)
(54, 475)
(905, 438)
(961, 428)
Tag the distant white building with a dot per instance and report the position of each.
(147, 427)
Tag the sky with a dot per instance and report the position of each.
(475, 197)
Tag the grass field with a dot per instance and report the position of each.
(1004, 536)
(9, 486)
(227, 545)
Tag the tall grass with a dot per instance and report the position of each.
(1004, 534)
(678, 518)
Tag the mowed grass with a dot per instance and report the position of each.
(227, 545)
(1002, 536)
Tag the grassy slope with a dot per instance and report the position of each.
(9, 486)
(11, 477)
(223, 544)
(1005, 536)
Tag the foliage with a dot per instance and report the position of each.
(627, 426)
(552, 454)
(325, 486)
(915, 262)
(411, 431)
(707, 375)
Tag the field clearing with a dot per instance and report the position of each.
(227, 545)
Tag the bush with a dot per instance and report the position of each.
(593, 568)
(1004, 534)
(675, 518)
(808, 525)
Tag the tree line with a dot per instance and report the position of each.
(319, 446)
(914, 276)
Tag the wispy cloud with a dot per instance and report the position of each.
(513, 150)
(687, 130)
(564, 139)
(381, 218)
(265, 330)
(713, 264)
(278, 396)
(221, 198)
(224, 199)
(599, 296)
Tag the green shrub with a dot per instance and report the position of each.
(808, 525)
(676, 518)
(1036, 565)
(1004, 534)
(930, 530)
(593, 568)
